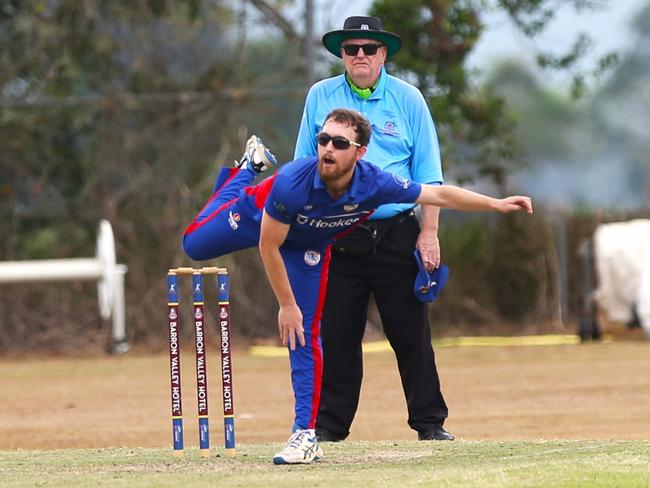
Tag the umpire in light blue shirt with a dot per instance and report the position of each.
(377, 258)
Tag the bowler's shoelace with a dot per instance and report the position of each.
(296, 439)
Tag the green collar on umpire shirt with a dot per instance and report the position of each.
(364, 93)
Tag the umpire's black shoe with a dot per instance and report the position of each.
(324, 435)
(435, 434)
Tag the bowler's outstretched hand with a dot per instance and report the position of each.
(514, 203)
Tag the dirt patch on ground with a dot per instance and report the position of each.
(590, 391)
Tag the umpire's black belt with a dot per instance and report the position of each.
(365, 237)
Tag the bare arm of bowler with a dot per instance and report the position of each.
(447, 196)
(272, 236)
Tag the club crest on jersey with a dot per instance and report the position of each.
(233, 218)
(404, 183)
(312, 258)
(350, 207)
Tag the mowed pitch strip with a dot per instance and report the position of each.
(484, 464)
(581, 391)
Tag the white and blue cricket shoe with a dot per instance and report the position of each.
(302, 448)
(256, 156)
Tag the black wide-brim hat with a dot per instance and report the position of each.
(360, 27)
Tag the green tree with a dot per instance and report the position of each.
(477, 131)
(118, 110)
(589, 152)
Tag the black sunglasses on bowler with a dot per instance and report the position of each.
(368, 49)
(339, 142)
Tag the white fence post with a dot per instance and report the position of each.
(102, 268)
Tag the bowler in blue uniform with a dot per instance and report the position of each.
(293, 217)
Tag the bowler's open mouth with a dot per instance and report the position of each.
(328, 160)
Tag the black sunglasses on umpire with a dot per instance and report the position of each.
(368, 49)
(339, 142)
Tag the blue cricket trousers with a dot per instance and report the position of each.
(230, 221)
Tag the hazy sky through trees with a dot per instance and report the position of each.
(608, 27)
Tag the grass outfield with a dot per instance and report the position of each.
(362, 464)
(61, 419)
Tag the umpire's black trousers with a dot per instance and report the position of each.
(389, 275)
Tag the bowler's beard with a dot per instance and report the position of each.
(332, 170)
